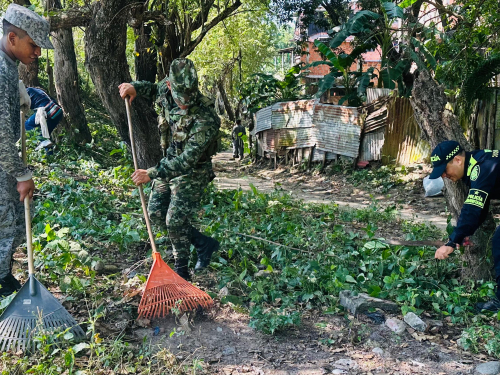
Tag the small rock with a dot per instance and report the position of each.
(219, 329)
(488, 368)
(363, 302)
(434, 326)
(229, 350)
(98, 266)
(415, 322)
(223, 292)
(184, 321)
(347, 362)
(396, 325)
(83, 254)
(262, 273)
(378, 351)
(338, 371)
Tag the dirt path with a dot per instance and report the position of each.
(232, 174)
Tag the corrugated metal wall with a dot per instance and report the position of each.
(263, 120)
(372, 145)
(338, 129)
(332, 129)
(373, 94)
(403, 144)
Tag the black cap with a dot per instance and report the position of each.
(441, 155)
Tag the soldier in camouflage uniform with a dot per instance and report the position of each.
(24, 33)
(236, 134)
(186, 169)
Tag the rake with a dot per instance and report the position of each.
(164, 288)
(33, 310)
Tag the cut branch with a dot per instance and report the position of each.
(69, 18)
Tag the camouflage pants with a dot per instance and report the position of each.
(238, 147)
(12, 226)
(175, 203)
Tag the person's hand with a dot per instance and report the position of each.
(443, 252)
(140, 177)
(126, 89)
(26, 189)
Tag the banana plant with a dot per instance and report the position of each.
(354, 82)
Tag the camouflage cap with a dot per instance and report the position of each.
(183, 81)
(37, 27)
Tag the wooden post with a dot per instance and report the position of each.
(311, 154)
(275, 160)
(286, 157)
(324, 162)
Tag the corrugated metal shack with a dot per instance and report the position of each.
(383, 129)
(308, 126)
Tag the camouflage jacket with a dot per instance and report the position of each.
(10, 124)
(160, 94)
(195, 130)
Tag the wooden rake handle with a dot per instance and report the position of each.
(27, 213)
(141, 192)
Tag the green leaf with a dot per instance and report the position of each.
(423, 49)
(393, 11)
(329, 54)
(68, 335)
(243, 274)
(350, 279)
(325, 84)
(363, 84)
(407, 3)
(79, 347)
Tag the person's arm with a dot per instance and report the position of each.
(475, 208)
(233, 132)
(204, 132)
(10, 161)
(145, 89)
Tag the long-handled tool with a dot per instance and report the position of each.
(164, 288)
(33, 309)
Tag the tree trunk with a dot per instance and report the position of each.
(29, 74)
(227, 105)
(439, 124)
(67, 87)
(105, 42)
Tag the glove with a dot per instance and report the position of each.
(41, 119)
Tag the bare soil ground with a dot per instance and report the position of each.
(324, 344)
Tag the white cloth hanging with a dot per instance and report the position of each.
(41, 119)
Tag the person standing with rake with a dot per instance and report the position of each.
(182, 175)
(24, 33)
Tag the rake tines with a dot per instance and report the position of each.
(29, 316)
(166, 290)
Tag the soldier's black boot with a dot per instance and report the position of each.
(205, 247)
(492, 305)
(181, 269)
(9, 285)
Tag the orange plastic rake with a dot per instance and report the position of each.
(164, 288)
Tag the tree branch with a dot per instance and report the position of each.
(69, 18)
(442, 9)
(206, 28)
